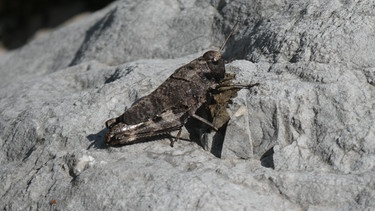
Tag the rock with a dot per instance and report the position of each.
(300, 140)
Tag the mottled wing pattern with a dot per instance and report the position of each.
(184, 88)
(164, 123)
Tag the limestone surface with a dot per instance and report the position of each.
(304, 139)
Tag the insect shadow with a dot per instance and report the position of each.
(199, 133)
(97, 139)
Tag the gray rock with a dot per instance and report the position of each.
(301, 140)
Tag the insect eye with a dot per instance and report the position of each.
(215, 62)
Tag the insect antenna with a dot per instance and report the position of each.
(230, 34)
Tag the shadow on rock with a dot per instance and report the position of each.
(98, 139)
(200, 133)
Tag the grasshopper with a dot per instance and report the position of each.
(169, 106)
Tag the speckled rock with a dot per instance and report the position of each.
(301, 140)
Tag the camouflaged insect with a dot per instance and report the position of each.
(177, 99)
(168, 108)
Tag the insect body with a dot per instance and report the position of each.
(169, 106)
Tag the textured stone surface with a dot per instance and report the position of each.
(302, 140)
